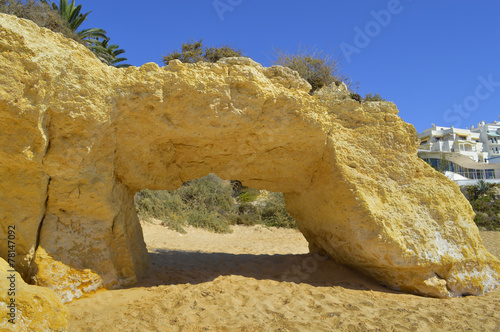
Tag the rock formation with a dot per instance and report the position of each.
(79, 138)
(28, 308)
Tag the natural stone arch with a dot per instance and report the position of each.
(88, 136)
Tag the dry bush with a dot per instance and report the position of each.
(317, 67)
(194, 51)
(40, 13)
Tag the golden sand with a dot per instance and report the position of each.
(259, 279)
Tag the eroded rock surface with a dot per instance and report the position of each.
(26, 307)
(79, 138)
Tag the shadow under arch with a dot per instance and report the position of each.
(172, 267)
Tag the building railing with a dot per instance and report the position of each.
(452, 146)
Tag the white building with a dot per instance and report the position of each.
(464, 155)
(490, 136)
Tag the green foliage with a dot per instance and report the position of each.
(248, 195)
(485, 201)
(214, 54)
(72, 15)
(94, 38)
(160, 204)
(66, 18)
(318, 68)
(210, 220)
(42, 14)
(108, 53)
(273, 212)
(375, 97)
(194, 51)
(482, 188)
(209, 192)
(213, 204)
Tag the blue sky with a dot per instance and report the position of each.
(438, 61)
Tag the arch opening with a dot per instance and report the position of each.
(210, 228)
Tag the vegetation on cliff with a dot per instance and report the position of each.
(485, 200)
(214, 204)
(194, 51)
(66, 18)
(316, 67)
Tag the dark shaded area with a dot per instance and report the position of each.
(189, 267)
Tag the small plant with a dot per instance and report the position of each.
(318, 68)
(194, 51)
(481, 188)
(375, 97)
(356, 97)
(248, 195)
(214, 54)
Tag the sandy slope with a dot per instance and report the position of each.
(259, 279)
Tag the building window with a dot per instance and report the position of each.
(470, 173)
(489, 174)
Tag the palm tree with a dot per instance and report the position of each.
(72, 14)
(108, 53)
(92, 37)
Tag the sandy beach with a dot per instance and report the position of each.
(263, 279)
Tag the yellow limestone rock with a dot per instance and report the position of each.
(68, 283)
(26, 307)
(79, 138)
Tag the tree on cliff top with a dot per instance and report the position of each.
(94, 38)
(193, 51)
(318, 68)
(71, 14)
(108, 53)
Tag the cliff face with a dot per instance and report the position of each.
(79, 138)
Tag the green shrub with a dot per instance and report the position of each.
(482, 220)
(248, 195)
(375, 97)
(161, 205)
(209, 220)
(214, 54)
(204, 203)
(209, 202)
(274, 213)
(194, 51)
(318, 68)
(40, 13)
(209, 192)
(482, 188)
(247, 219)
(485, 204)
